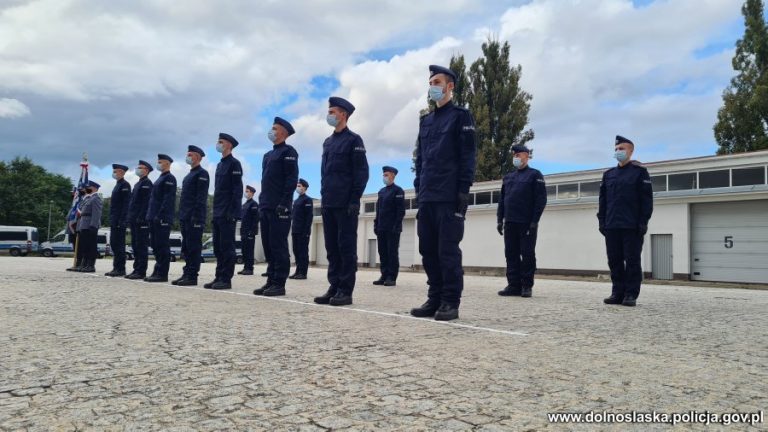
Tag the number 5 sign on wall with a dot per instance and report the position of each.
(728, 241)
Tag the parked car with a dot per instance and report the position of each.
(207, 252)
(18, 240)
(174, 240)
(60, 245)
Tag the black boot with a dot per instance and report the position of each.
(77, 265)
(135, 275)
(426, 310)
(221, 285)
(209, 285)
(379, 281)
(340, 299)
(526, 292)
(447, 312)
(326, 298)
(176, 281)
(629, 300)
(299, 276)
(156, 278)
(613, 300)
(274, 290)
(89, 266)
(115, 273)
(389, 282)
(509, 291)
(260, 291)
(245, 272)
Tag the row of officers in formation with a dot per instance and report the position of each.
(444, 173)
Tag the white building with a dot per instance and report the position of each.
(710, 222)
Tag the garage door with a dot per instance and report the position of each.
(730, 241)
(321, 256)
(408, 243)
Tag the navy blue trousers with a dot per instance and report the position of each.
(441, 229)
(624, 247)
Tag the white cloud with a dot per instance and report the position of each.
(13, 108)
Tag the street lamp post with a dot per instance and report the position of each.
(50, 204)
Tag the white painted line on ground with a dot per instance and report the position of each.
(339, 308)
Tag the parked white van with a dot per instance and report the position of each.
(174, 240)
(60, 245)
(18, 240)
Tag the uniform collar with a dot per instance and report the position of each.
(196, 168)
(449, 104)
(275, 146)
(229, 156)
(346, 128)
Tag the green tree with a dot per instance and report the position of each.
(500, 107)
(27, 191)
(742, 121)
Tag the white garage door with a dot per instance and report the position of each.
(408, 243)
(730, 241)
(321, 256)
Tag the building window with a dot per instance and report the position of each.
(317, 211)
(589, 189)
(410, 203)
(685, 181)
(495, 197)
(551, 192)
(482, 198)
(370, 207)
(714, 179)
(566, 191)
(748, 176)
(659, 183)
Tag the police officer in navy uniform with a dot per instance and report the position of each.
(137, 217)
(344, 174)
(626, 205)
(118, 219)
(445, 169)
(193, 210)
(161, 213)
(249, 229)
(301, 229)
(521, 203)
(227, 196)
(279, 174)
(88, 227)
(388, 224)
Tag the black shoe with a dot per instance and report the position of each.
(187, 282)
(325, 298)
(629, 301)
(340, 300)
(274, 291)
(74, 268)
(509, 291)
(293, 276)
(176, 281)
(260, 291)
(389, 282)
(135, 276)
(379, 281)
(209, 285)
(115, 273)
(299, 276)
(427, 310)
(221, 285)
(526, 292)
(447, 312)
(245, 272)
(264, 274)
(88, 269)
(156, 278)
(613, 300)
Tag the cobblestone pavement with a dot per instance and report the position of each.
(85, 352)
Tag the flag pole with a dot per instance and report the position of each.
(83, 170)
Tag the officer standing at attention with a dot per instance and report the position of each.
(88, 227)
(193, 209)
(390, 211)
(522, 201)
(445, 169)
(343, 176)
(249, 228)
(118, 219)
(162, 212)
(71, 228)
(137, 217)
(626, 205)
(303, 213)
(279, 174)
(227, 196)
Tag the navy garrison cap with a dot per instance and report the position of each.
(93, 184)
(195, 149)
(229, 138)
(161, 156)
(284, 123)
(344, 104)
(520, 149)
(303, 183)
(146, 165)
(620, 139)
(387, 168)
(435, 69)
(120, 166)
(251, 188)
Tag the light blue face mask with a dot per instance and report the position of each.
(159, 167)
(114, 176)
(517, 162)
(220, 147)
(386, 181)
(436, 93)
(332, 120)
(139, 172)
(620, 155)
(188, 160)
(271, 135)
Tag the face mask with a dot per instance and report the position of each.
(271, 136)
(436, 93)
(517, 162)
(114, 176)
(620, 155)
(220, 147)
(159, 167)
(300, 191)
(188, 160)
(139, 172)
(386, 181)
(332, 120)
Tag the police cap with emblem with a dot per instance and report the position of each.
(120, 166)
(520, 149)
(390, 169)
(195, 149)
(435, 69)
(620, 139)
(229, 138)
(146, 165)
(284, 123)
(93, 184)
(303, 183)
(335, 101)
(250, 188)
(161, 156)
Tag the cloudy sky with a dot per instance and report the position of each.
(126, 79)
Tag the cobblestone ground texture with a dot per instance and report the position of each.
(86, 352)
